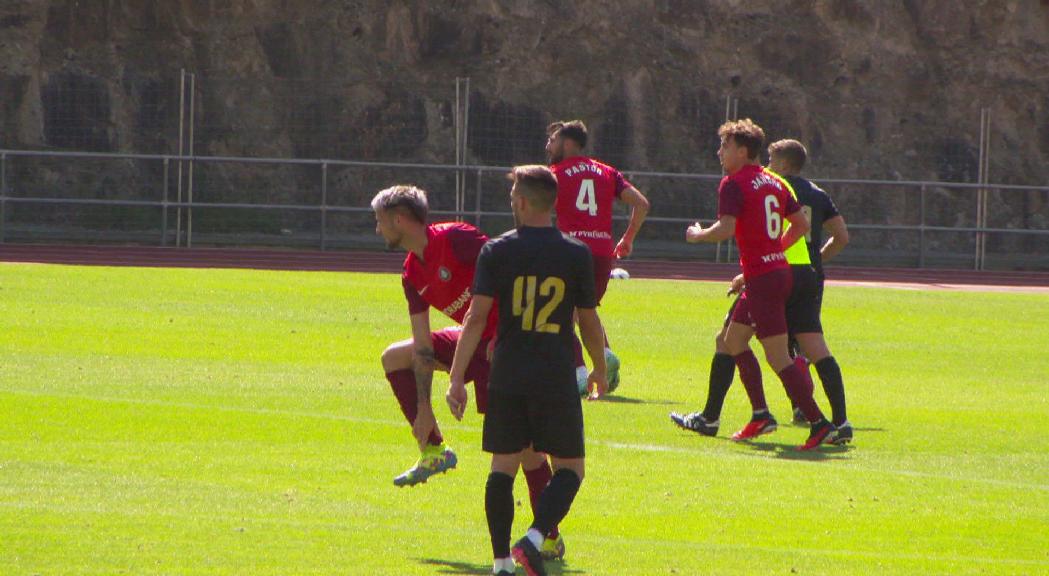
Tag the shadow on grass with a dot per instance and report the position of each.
(553, 568)
(616, 399)
(791, 452)
(453, 567)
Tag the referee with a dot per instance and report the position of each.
(539, 277)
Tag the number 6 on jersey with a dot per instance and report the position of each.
(773, 221)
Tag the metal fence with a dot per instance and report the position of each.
(173, 200)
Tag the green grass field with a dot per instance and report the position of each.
(238, 422)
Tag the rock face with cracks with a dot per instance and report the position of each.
(880, 90)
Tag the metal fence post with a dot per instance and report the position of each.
(189, 175)
(324, 206)
(981, 193)
(921, 228)
(477, 201)
(181, 142)
(3, 194)
(164, 209)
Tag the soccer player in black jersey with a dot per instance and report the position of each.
(540, 277)
(787, 158)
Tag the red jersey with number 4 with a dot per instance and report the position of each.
(443, 276)
(760, 201)
(586, 191)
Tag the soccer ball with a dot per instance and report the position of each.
(581, 377)
(619, 274)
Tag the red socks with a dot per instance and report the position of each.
(794, 381)
(403, 384)
(750, 375)
(803, 366)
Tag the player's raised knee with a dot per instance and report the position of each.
(397, 356)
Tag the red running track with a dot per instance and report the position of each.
(364, 261)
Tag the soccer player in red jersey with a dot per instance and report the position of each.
(752, 204)
(586, 192)
(438, 273)
(786, 158)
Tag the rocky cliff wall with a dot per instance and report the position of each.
(884, 90)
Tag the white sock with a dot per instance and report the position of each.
(535, 537)
(607, 350)
(503, 565)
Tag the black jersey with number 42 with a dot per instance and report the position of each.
(539, 276)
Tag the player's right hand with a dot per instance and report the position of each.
(457, 398)
(597, 385)
(623, 249)
(692, 232)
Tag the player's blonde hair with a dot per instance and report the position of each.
(407, 198)
(537, 183)
(745, 133)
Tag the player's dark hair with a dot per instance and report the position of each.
(537, 183)
(745, 133)
(790, 150)
(573, 130)
(407, 199)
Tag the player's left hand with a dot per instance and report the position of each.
(737, 286)
(597, 384)
(624, 248)
(693, 232)
(457, 399)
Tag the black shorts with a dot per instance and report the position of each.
(803, 306)
(550, 423)
(819, 293)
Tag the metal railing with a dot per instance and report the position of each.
(678, 211)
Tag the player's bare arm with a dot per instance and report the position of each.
(473, 329)
(639, 207)
(423, 366)
(719, 231)
(594, 342)
(799, 227)
(838, 237)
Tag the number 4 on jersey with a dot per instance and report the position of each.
(587, 199)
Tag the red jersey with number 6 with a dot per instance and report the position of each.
(586, 191)
(760, 201)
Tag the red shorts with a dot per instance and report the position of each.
(444, 343)
(763, 304)
(603, 266)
